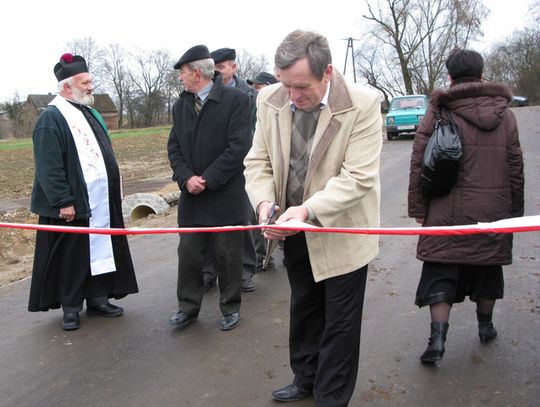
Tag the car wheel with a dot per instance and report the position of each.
(390, 136)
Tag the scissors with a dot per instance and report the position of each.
(272, 216)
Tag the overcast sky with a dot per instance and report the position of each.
(34, 33)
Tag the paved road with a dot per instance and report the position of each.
(137, 360)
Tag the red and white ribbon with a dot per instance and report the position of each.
(513, 225)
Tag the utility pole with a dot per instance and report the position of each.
(351, 46)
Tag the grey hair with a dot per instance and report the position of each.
(301, 44)
(206, 66)
(61, 84)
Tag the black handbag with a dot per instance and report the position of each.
(440, 164)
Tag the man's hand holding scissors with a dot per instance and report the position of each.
(268, 211)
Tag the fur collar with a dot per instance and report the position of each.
(470, 90)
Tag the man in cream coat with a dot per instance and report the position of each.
(316, 154)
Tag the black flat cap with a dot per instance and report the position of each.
(193, 54)
(263, 78)
(69, 65)
(223, 54)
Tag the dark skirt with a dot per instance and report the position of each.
(61, 273)
(450, 283)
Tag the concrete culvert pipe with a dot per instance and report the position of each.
(138, 206)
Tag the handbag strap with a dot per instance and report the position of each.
(448, 117)
(438, 118)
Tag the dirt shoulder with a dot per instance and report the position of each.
(17, 245)
(144, 167)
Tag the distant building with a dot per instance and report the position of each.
(103, 103)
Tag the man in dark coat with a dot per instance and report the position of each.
(210, 137)
(489, 187)
(254, 243)
(77, 183)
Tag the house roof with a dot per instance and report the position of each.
(102, 102)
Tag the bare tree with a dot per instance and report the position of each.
(117, 76)
(373, 67)
(433, 23)
(516, 61)
(131, 97)
(467, 17)
(534, 10)
(149, 75)
(390, 30)
(250, 65)
(500, 66)
(444, 25)
(15, 112)
(417, 35)
(173, 87)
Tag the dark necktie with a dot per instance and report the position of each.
(303, 129)
(198, 104)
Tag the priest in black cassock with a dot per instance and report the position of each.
(77, 183)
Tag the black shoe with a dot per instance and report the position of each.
(105, 310)
(292, 392)
(181, 319)
(486, 332)
(229, 321)
(70, 321)
(271, 266)
(247, 285)
(435, 349)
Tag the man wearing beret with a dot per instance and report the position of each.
(77, 183)
(254, 245)
(261, 80)
(210, 137)
(225, 64)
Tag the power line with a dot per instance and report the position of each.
(350, 44)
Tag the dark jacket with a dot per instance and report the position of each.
(252, 93)
(490, 183)
(58, 181)
(212, 145)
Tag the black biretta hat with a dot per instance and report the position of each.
(223, 54)
(193, 54)
(69, 65)
(263, 77)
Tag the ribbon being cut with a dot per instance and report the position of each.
(513, 225)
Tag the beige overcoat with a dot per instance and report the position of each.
(342, 182)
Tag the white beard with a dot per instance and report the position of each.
(82, 97)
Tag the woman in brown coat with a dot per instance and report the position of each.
(489, 187)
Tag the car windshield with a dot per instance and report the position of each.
(408, 103)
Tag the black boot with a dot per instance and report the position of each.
(435, 350)
(486, 331)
